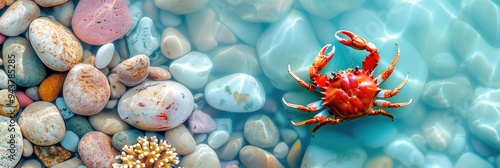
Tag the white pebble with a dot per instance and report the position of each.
(218, 138)
(104, 55)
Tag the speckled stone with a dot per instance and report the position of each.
(79, 125)
(255, 157)
(161, 105)
(202, 156)
(260, 131)
(51, 155)
(96, 150)
(70, 141)
(134, 70)
(11, 128)
(9, 105)
(16, 19)
(42, 124)
(50, 3)
(29, 70)
(63, 108)
(181, 139)
(159, 74)
(117, 87)
(86, 90)
(145, 39)
(59, 54)
(108, 122)
(73, 162)
(126, 137)
(51, 87)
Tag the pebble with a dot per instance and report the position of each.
(16, 19)
(230, 150)
(225, 124)
(169, 19)
(379, 162)
(31, 163)
(181, 139)
(260, 131)
(51, 155)
(200, 138)
(156, 105)
(298, 53)
(181, 6)
(24, 100)
(29, 70)
(9, 105)
(192, 70)
(134, 70)
(32, 92)
(263, 11)
(115, 60)
(63, 108)
(317, 156)
(64, 13)
(235, 93)
(238, 58)
(96, 150)
(90, 59)
(293, 155)
(280, 150)
(483, 116)
(403, 150)
(126, 137)
(174, 44)
(51, 87)
(202, 156)
(117, 89)
(159, 74)
(86, 90)
(73, 162)
(111, 104)
(79, 125)
(104, 55)
(145, 39)
(201, 29)
(58, 54)
(288, 135)
(255, 157)
(217, 139)
(14, 141)
(449, 92)
(70, 141)
(200, 122)
(27, 148)
(4, 79)
(50, 3)
(472, 160)
(42, 124)
(108, 122)
(100, 22)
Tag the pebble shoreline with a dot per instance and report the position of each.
(79, 80)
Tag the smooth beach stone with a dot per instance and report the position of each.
(379, 162)
(298, 53)
(469, 159)
(90, 59)
(145, 39)
(9, 105)
(255, 157)
(108, 122)
(181, 139)
(79, 125)
(200, 122)
(260, 131)
(217, 138)
(181, 6)
(22, 62)
(32, 92)
(16, 19)
(288, 135)
(316, 156)
(200, 138)
(483, 116)
(225, 124)
(375, 134)
(238, 58)
(64, 13)
(202, 156)
(116, 87)
(4, 79)
(159, 74)
(449, 92)
(73, 162)
(96, 150)
(100, 22)
(280, 150)
(115, 60)
(27, 148)
(174, 44)
(31, 163)
(134, 70)
(111, 104)
(42, 124)
(50, 3)
(51, 155)
(70, 141)
(230, 150)
(126, 137)
(23, 99)
(156, 105)
(404, 150)
(201, 29)
(223, 34)
(104, 55)
(51, 87)
(235, 93)
(11, 143)
(63, 108)
(192, 70)
(169, 19)
(262, 10)
(58, 54)
(86, 90)
(330, 9)
(295, 152)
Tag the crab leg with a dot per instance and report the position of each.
(381, 112)
(390, 93)
(311, 107)
(332, 121)
(321, 117)
(388, 104)
(359, 43)
(384, 75)
(302, 83)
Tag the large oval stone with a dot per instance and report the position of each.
(16, 19)
(54, 44)
(156, 105)
(96, 150)
(86, 90)
(42, 124)
(11, 145)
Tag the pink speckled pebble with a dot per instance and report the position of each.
(158, 73)
(200, 122)
(24, 100)
(134, 70)
(86, 90)
(100, 22)
(96, 150)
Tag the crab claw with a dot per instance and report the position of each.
(355, 41)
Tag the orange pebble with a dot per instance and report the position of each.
(51, 87)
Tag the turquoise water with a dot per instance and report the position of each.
(448, 49)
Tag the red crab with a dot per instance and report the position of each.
(349, 94)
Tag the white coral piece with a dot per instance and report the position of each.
(147, 154)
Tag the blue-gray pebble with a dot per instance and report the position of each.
(79, 125)
(63, 108)
(70, 141)
(126, 137)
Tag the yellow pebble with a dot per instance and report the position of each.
(294, 154)
(51, 87)
(9, 105)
